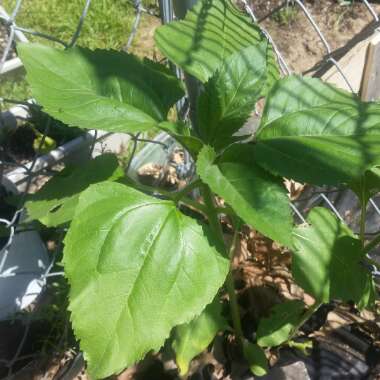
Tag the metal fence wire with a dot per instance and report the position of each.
(313, 197)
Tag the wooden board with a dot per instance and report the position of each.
(370, 85)
(352, 65)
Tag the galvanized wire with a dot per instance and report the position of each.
(328, 57)
(31, 169)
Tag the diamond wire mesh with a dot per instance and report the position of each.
(34, 167)
(317, 195)
(166, 8)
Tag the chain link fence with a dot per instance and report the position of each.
(314, 196)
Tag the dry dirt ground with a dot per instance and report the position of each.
(296, 38)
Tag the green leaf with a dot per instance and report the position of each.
(43, 144)
(182, 134)
(211, 31)
(368, 185)
(100, 89)
(256, 196)
(230, 95)
(369, 297)
(327, 259)
(255, 355)
(55, 202)
(305, 347)
(276, 329)
(313, 132)
(192, 338)
(137, 267)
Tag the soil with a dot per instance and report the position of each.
(18, 147)
(3, 42)
(295, 37)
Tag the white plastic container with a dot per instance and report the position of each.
(24, 263)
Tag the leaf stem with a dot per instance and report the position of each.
(363, 213)
(231, 291)
(186, 190)
(144, 188)
(213, 217)
(195, 205)
(309, 312)
(217, 229)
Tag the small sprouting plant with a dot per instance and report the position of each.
(139, 269)
(286, 15)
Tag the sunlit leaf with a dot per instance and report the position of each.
(327, 258)
(100, 89)
(256, 196)
(230, 95)
(137, 267)
(211, 31)
(255, 355)
(275, 329)
(192, 338)
(55, 202)
(313, 132)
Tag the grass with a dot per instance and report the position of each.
(107, 25)
(286, 15)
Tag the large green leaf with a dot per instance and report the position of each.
(211, 31)
(55, 203)
(137, 267)
(100, 89)
(230, 95)
(256, 196)
(327, 260)
(313, 132)
(192, 338)
(275, 329)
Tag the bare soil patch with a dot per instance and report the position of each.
(294, 35)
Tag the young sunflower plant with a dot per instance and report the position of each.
(140, 270)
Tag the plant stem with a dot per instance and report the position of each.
(146, 189)
(213, 217)
(186, 190)
(363, 213)
(231, 291)
(309, 312)
(217, 229)
(195, 205)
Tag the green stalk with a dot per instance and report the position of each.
(213, 217)
(309, 312)
(194, 204)
(217, 229)
(363, 213)
(186, 190)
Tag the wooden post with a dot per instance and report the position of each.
(370, 85)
